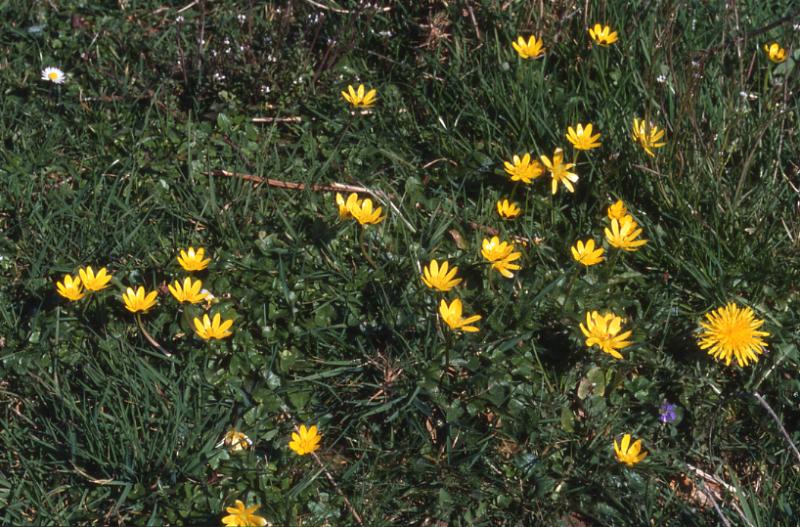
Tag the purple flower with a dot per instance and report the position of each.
(668, 414)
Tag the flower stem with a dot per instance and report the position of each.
(362, 242)
(338, 490)
(149, 338)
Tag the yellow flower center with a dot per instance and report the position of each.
(52, 75)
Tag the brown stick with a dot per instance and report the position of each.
(291, 185)
(338, 490)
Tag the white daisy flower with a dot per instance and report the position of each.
(54, 75)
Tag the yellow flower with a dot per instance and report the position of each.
(305, 441)
(604, 331)
(437, 276)
(730, 332)
(648, 135)
(218, 329)
(71, 288)
(775, 52)
(357, 99)
(94, 282)
(617, 211)
(136, 301)
(523, 169)
(501, 254)
(506, 209)
(188, 292)
(560, 171)
(365, 214)
(587, 254)
(624, 233)
(241, 516)
(532, 49)
(452, 316)
(193, 261)
(627, 453)
(603, 35)
(345, 206)
(236, 441)
(582, 138)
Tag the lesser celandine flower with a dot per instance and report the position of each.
(507, 209)
(648, 135)
(358, 99)
(192, 260)
(581, 137)
(775, 52)
(305, 440)
(522, 169)
(603, 35)
(624, 234)
(605, 331)
(188, 291)
(628, 453)
(586, 254)
(241, 516)
(70, 288)
(215, 328)
(53, 75)
(560, 171)
(501, 254)
(532, 49)
(364, 213)
(617, 211)
(345, 206)
(732, 332)
(440, 277)
(94, 282)
(138, 300)
(236, 441)
(452, 316)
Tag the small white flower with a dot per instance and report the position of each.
(661, 79)
(179, 19)
(54, 75)
(242, 19)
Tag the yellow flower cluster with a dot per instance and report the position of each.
(360, 210)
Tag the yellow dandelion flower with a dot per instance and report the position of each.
(70, 288)
(624, 234)
(532, 49)
(193, 261)
(560, 171)
(208, 329)
(732, 332)
(358, 99)
(586, 254)
(775, 52)
(94, 282)
(188, 291)
(581, 137)
(452, 316)
(305, 440)
(508, 210)
(648, 135)
(604, 331)
(617, 211)
(603, 35)
(241, 516)
(523, 169)
(627, 453)
(365, 214)
(501, 255)
(440, 277)
(138, 300)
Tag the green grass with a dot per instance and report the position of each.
(115, 168)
